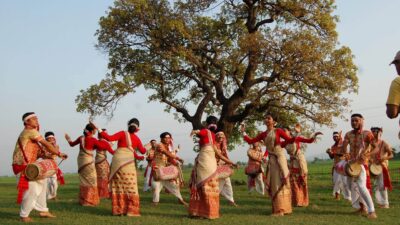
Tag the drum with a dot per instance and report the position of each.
(41, 169)
(375, 169)
(353, 169)
(224, 171)
(165, 173)
(340, 167)
(252, 169)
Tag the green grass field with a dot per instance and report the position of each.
(253, 208)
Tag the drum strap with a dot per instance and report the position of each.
(22, 150)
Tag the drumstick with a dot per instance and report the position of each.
(60, 162)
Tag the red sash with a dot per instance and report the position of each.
(387, 183)
(23, 185)
(368, 180)
(60, 177)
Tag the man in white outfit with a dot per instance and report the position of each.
(340, 183)
(360, 143)
(148, 172)
(380, 155)
(31, 194)
(163, 158)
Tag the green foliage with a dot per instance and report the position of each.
(234, 59)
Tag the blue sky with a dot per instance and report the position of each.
(47, 55)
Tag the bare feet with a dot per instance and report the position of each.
(233, 204)
(278, 214)
(46, 215)
(26, 219)
(383, 206)
(181, 201)
(132, 215)
(155, 203)
(337, 196)
(361, 211)
(372, 215)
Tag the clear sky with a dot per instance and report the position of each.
(47, 56)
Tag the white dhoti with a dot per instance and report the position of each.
(360, 193)
(258, 184)
(340, 185)
(146, 185)
(225, 189)
(171, 185)
(52, 186)
(34, 198)
(381, 194)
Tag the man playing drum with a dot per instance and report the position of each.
(163, 158)
(147, 173)
(255, 179)
(339, 180)
(52, 182)
(379, 158)
(31, 193)
(360, 143)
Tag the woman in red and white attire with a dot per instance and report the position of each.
(88, 193)
(123, 178)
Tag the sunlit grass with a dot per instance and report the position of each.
(253, 208)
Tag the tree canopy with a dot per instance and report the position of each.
(234, 59)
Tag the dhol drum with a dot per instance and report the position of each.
(252, 169)
(41, 169)
(165, 173)
(353, 169)
(340, 167)
(375, 169)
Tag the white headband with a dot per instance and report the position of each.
(133, 124)
(50, 136)
(30, 116)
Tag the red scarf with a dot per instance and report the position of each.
(387, 183)
(60, 176)
(369, 187)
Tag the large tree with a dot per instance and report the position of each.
(234, 59)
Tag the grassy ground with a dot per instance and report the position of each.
(253, 208)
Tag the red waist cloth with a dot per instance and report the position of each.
(369, 187)
(387, 183)
(60, 177)
(23, 184)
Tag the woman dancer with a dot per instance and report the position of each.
(277, 175)
(298, 167)
(103, 168)
(204, 193)
(123, 179)
(88, 194)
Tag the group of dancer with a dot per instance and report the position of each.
(286, 184)
(366, 149)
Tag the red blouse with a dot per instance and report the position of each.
(122, 142)
(91, 143)
(279, 133)
(110, 150)
(298, 140)
(204, 139)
